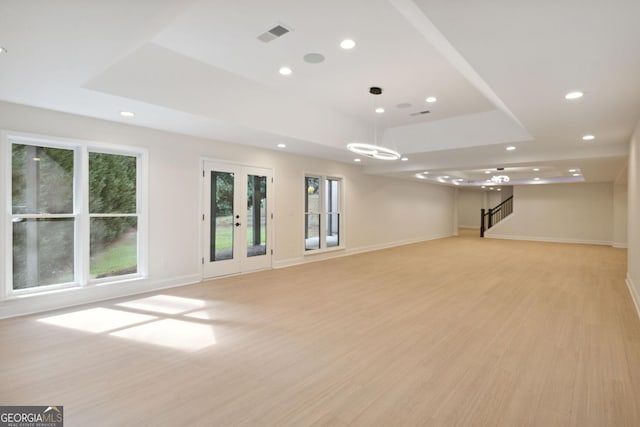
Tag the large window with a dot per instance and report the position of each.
(43, 218)
(323, 213)
(74, 214)
(113, 215)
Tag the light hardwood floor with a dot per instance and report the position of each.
(454, 332)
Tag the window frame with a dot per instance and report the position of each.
(324, 214)
(81, 214)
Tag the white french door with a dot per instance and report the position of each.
(237, 219)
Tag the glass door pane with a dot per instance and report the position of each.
(256, 215)
(236, 232)
(222, 216)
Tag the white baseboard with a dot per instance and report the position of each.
(619, 245)
(634, 294)
(337, 254)
(548, 239)
(473, 227)
(39, 302)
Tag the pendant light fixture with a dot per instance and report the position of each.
(500, 179)
(374, 150)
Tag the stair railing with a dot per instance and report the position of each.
(492, 216)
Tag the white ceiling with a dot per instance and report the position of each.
(499, 69)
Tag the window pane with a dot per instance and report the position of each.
(42, 252)
(41, 180)
(312, 232)
(256, 215)
(333, 195)
(312, 194)
(222, 216)
(114, 246)
(333, 230)
(112, 183)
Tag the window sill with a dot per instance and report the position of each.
(112, 280)
(72, 287)
(325, 250)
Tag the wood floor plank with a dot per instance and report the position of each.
(460, 331)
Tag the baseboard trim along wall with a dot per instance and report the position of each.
(341, 253)
(549, 239)
(634, 294)
(69, 297)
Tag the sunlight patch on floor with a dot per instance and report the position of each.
(97, 320)
(167, 304)
(176, 334)
(202, 314)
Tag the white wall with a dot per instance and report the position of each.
(469, 204)
(507, 191)
(379, 212)
(633, 261)
(620, 219)
(494, 198)
(579, 213)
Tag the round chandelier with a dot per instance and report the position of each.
(500, 179)
(374, 151)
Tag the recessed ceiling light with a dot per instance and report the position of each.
(420, 176)
(576, 174)
(426, 172)
(484, 186)
(588, 137)
(499, 189)
(574, 95)
(431, 99)
(404, 159)
(487, 172)
(573, 170)
(536, 169)
(510, 148)
(282, 145)
(127, 114)
(285, 71)
(347, 44)
(446, 177)
(379, 110)
(536, 179)
(357, 160)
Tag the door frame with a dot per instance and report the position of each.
(204, 212)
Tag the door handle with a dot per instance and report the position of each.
(237, 224)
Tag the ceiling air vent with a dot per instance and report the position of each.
(273, 33)
(419, 113)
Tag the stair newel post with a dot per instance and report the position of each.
(482, 222)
